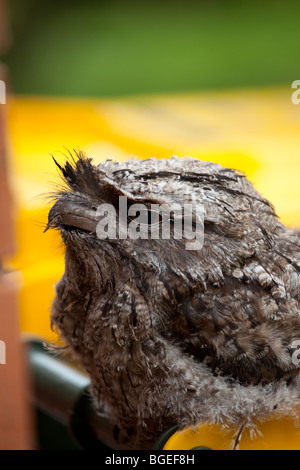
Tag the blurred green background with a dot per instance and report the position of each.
(113, 48)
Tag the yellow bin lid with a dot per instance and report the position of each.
(271, 435)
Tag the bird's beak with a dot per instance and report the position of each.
(66, 213)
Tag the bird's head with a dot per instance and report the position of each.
(129, 221)
(110, 218)
(134, 234)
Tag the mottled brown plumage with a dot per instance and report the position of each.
(170, 335)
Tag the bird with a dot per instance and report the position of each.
(171, 334)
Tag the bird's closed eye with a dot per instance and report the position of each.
(145, 217)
